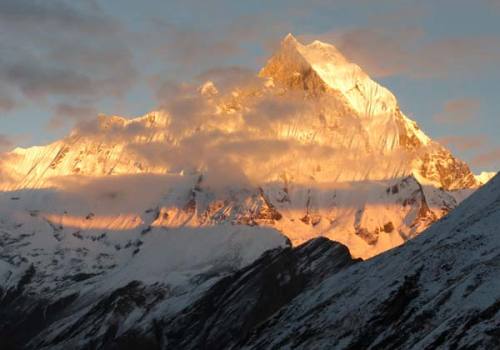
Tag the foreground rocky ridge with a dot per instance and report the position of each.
(233, 308)
(439, 290)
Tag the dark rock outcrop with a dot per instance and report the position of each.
(237, 304)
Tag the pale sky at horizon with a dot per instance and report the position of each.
(63, 61)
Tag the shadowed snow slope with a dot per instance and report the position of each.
(440, 290)
(76, 287)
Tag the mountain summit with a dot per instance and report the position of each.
(321, 70)
(313, 147)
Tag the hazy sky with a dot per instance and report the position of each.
(63, 61)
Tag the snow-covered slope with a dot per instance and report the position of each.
(440, 290)
(312, 148)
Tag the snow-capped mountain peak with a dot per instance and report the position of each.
(322, 150)
(320, 69)
(289, 39)
(365, 95)
(485, 176)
